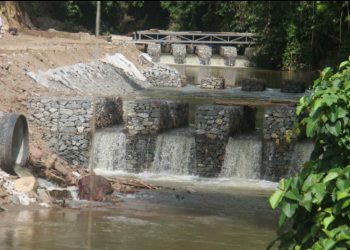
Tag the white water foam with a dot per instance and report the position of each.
(174, 154)
(108, 149)
(243, 157)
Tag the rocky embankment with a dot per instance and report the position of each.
(51, 182)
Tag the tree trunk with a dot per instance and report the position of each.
(14, 16)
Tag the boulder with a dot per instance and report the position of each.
(94, 187)
(43, 196)
(25, 184)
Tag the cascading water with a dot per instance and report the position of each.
(174, 153)
(243, 157)
(108, 150)
(301, 154)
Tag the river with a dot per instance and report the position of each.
(193, 215)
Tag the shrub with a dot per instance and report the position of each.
(315, 203)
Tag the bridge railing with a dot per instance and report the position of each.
(194, 37)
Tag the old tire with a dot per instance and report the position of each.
(14, 142)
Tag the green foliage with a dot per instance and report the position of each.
(292, 54)
(116, 16)
(292, 35)
(315, 204)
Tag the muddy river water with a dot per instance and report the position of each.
(205, 215)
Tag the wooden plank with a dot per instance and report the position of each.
(257, 103)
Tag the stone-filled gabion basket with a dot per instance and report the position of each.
(161, 75)
(253, 84)
(67, 123)
(213, 83)
(229, 53)
(293, 86)
(204, 54)
(179, 53)
(154, 51)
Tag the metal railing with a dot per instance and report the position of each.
(193, 37)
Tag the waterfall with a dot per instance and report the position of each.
(301, 154)
(108, 149)
(243, 157)
(174, 153)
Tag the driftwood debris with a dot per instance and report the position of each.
(129, 185)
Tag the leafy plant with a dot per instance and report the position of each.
(315, 204)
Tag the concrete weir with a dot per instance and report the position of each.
(14, 145)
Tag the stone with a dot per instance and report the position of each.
(62, 169)
(80, 129)
(25, 184)
(43, 196)
(274, 136)
(35, 152)
(94, 187)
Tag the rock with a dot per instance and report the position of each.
(25, 184)
(3, 194)
(62, 169)
(56, 179)
(50, 162)
(94, 187)
(43, 196)
(58, 194)
(274, 136)
(221, 157)
(36, 153)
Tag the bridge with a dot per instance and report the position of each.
(194, 37)
(189, 42)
